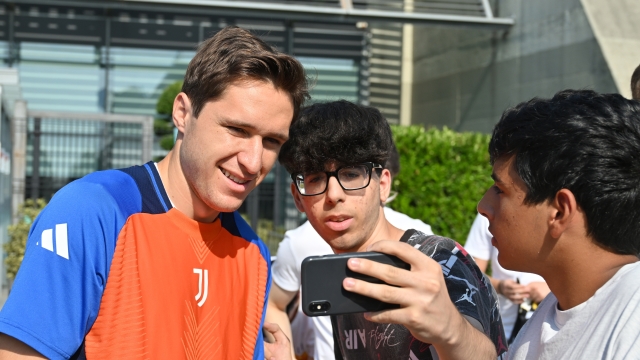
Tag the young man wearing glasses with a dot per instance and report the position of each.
(313, 335)
(335, 154)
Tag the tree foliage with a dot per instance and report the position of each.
(443, 175)
(18, 234)
(163, 125)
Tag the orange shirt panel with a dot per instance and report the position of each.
(179, 289)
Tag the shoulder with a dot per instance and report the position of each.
(237, 226)
(404, 222)
(100, 192)
(624, 285)
(91, 209)
(429, 244)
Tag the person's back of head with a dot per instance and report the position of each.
(338, 131)
(635, 84)
(587, 143)
(235, 55)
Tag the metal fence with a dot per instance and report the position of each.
(62, 147)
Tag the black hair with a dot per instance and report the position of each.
(588, 143)
(393, 163)
(635, 84)
(339, 131)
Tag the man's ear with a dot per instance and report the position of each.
(296, 197)
(182, 111)
(564, 209)
(385, 185)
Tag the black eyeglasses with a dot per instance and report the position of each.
(349, 177)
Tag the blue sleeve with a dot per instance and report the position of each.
(56, 295)
(245, 231)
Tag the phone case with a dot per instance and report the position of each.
(322, 291)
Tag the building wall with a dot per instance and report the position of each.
(617, 29)
(465, 78)
(384, 67)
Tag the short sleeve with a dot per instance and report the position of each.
(478, 242)
(285, 271)
(469, 290)
(56, 295)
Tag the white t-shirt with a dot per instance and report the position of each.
(479, 246)
(607, 326)
(303, 242)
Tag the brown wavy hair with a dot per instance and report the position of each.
(234, 54)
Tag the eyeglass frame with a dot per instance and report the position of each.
(370, 167)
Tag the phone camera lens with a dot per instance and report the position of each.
(319, 306)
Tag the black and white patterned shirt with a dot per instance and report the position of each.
(469, 290)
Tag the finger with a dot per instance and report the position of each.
(518, 292)
(518, 297)
(268, 337)
(393, 316)
(522, 289)
(387, 273)
(275, 331)
(514, 287)
(271, 327)
(267, 351)
(385, 293)
(407, 253)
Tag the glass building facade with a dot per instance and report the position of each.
(5, 192)
(102, 57)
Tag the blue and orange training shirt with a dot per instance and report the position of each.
(112, 271)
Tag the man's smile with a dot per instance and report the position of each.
(234, 178)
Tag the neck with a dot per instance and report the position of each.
(180, 193)
(578, 274)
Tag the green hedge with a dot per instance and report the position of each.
(443, 175)
(163, 125)
(18, 234)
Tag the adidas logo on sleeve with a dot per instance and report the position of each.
(61, 241)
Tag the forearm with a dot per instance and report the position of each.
(496, 284)
(277, 316)
(466, 342)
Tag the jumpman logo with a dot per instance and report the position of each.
(467, 297)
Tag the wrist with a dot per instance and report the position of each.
(454, 337)
(453, 333)
(499, 287)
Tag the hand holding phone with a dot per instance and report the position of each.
(426, 309)
(322, 291)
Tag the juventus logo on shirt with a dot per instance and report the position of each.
(203, 285)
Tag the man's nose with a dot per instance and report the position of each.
(335, 193)
(484, 207)
(250, 156)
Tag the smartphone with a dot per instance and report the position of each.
(322, 291)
